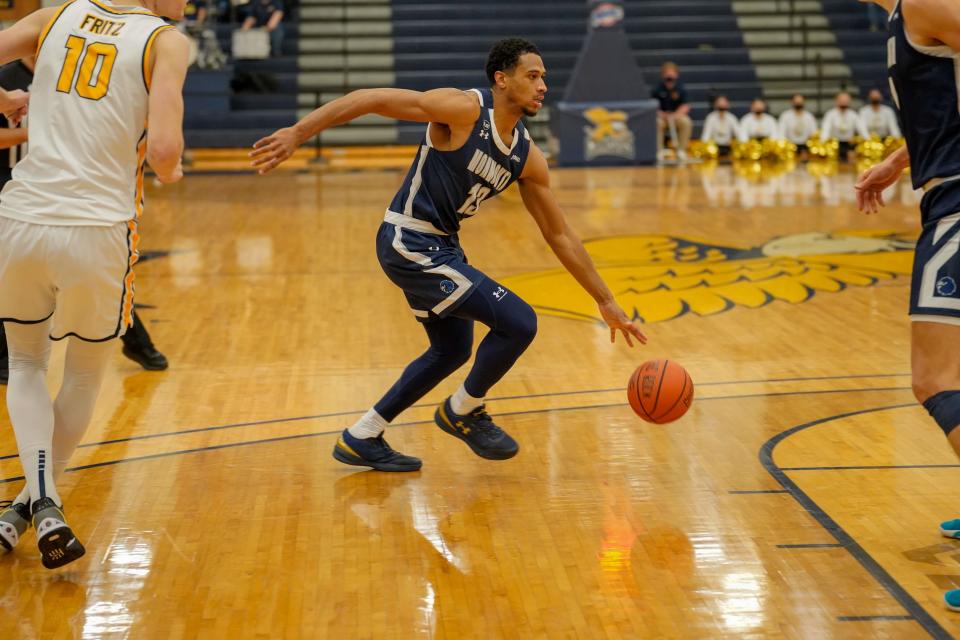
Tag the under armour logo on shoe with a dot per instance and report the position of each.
(464, 429)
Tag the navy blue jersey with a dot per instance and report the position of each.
(923, 82)
(444, 187)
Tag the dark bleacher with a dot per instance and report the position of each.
(865, 52)
(439, 43)
(216, 116)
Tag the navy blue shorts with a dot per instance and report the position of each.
(935, 290)
(431, 270)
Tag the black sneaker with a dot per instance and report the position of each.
(4, 373)
(147, 357)
(138, 346)
(14, 521)
(372, 452)
(58, 546)
(479, 432)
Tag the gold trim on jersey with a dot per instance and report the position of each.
(46, 29)
(141, 158)
(133, 243)
(147, 69)
(120, 12)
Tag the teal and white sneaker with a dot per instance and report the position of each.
(950, 528)
(952, 599)
(14, 521)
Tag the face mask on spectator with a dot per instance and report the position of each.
(876, 101)
(798, 106)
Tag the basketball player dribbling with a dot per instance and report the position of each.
(475, 147)
(68, 224)
(923, 49)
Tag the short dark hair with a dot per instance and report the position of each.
(505, 55)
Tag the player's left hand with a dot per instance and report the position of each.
(271, 151)
(617, 320)
(871, 184)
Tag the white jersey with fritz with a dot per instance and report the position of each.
(88, 117)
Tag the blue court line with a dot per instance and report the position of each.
(875, 467)
(337, 431)
(747, 492)
(827, 545)
(340, 414)
(916, 611)
(873, 618)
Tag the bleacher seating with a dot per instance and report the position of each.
(743, 49)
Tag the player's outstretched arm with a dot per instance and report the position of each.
(872, 182)
(451, 107)
(542, 205)
(20, 41)
(165, 111)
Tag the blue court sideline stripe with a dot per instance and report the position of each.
(917, 612)
(874, 466)
(747, 492)
(825, 545)
(338, 414)
(873, 618)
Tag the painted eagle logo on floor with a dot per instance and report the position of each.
(658, 277)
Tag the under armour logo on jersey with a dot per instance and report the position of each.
(485, 135)
(499, 293)
(515, 158)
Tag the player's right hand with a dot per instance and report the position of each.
(13, 105)
(271, 151)
(871, 184)
(617, 320)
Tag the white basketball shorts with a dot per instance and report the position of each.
(80, 276)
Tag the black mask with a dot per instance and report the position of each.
(798, 107)
(876, 101)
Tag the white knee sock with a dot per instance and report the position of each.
(370, 425)
(29, 405)
(83, 373)
(463, 403)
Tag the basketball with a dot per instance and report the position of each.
(660, 391)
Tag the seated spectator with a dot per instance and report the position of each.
(674, 110)
(879, 119)
(843, 124)
(758, 124)
(721, 127)
(195, 13)
(267, 14)
(797, 125)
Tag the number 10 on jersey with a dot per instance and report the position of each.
(96, 57)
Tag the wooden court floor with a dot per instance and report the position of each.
(799, 498)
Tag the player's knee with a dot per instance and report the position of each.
(944, 407)
(458, 355)
(524, 324)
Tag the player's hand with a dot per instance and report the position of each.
(871, 184)
(271, 151)
(13, 104)
(617, 320)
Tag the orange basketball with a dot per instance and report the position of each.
(660, 391)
